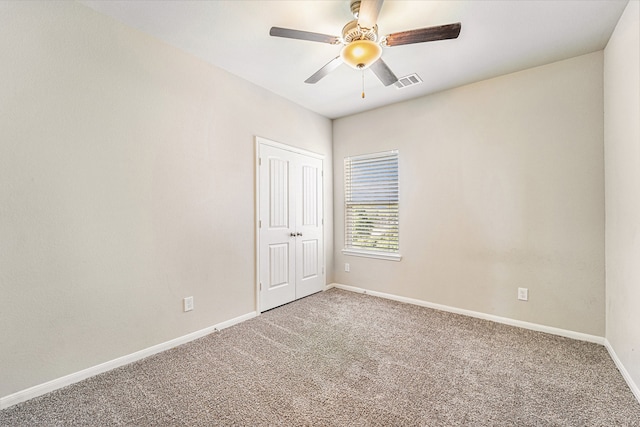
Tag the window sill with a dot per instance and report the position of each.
(389, 256)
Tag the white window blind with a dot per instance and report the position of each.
(371, 203)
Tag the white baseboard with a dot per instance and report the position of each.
(505, 320)
(527, 325)
(625, 374)
(58, 383)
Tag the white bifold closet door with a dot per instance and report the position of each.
(291, 252)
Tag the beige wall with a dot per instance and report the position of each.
(126, 183)
(502, 186)
(622, 179)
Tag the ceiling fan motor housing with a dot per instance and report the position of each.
(352, 32)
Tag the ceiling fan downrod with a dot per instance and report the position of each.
(355, 8)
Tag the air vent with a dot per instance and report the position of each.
(410, 80)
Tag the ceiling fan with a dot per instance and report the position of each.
(362, 48)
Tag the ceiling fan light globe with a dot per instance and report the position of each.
(360, 54)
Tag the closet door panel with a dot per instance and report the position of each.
(309, 228)
(277, 216)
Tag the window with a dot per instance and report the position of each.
(371, 205)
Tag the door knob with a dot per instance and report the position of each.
(298, 234)
(292, 234)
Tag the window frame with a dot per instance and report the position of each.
(390, 255)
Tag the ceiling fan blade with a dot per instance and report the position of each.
(368, 14)
(303, 35)
(329, 67)
(441, 32)
(383, 72)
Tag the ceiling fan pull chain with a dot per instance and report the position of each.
(363, 83)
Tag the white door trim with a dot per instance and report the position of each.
(264, 141)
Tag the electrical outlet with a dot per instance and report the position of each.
(523, 294)
(347, 268)
(188, 303)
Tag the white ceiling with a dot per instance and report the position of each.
(497, 37)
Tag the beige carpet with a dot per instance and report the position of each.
(343, 359)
